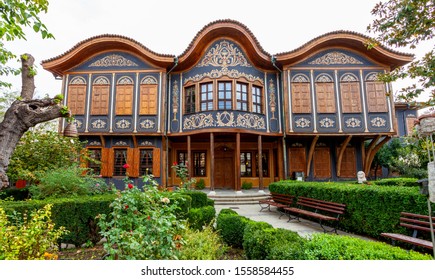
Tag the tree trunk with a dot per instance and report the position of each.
(22, 115)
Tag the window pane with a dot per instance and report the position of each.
(146, 162)
(120, 158)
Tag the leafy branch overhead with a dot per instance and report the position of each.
(408, 23)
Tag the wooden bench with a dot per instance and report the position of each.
(418, 223)
(319, 209)
(277, 200)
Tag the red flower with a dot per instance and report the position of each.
(148, 218)
(130, 186)
(126, 207)
(126, 166)
(175, 163)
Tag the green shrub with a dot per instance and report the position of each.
(205, 244)
(337, 247)
(64, 182)
(370, 209)
(199, 199)
(29, 237)
(254, 242)
(285, 245)
(200, 217)
(246, 185)
(77, 215)
(142, 225)
(200, 184)
(400, 182)
(231, 227)
(16, 194)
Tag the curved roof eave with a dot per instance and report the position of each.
(348, 39)
(60, 64)
(230, 29)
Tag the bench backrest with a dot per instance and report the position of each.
(415, 221)
(321, 205)
(282, 198)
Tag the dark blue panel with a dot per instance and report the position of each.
(98, 124)
(147, 123)
(378, 122)
(353, 123)
(336, 57)
(327, 123)
(113, 61)
(303, 123)
(123, 124)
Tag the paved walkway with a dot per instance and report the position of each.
(252, 211)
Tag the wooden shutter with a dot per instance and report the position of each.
(348, 163)
(124, 99)
(298, 160)
(133, 171)
(107, 162)
(77, 99)
(350, 97)
(322, 163)
(301, 98)
(156, 162)
(100, 100)
(325, 97)
(148, 100)
(376, 97)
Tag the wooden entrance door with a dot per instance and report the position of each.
(322, 163)
(224, 172)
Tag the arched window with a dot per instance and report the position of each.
(350, 93)
(376, 94)
(301, 97)
(124, 96)
(148, 96)
(325, 96)
(77, 96)
(100, 96)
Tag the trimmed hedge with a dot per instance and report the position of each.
(370, 209)
(199, 199)
(339, 247)
(231, 227)
(77, 215)
(263, 242)
(398, 182)
(201, 217)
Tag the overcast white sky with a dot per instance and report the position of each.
(168, 26)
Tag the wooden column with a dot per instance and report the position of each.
(260, 163)
(189, 157)
(212, 161)
(237, 162)
(341, 153)
(310, 155)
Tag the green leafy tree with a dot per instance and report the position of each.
(41, 151)
(25, 112)
(407, 23)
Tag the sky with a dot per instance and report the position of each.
(168, 26)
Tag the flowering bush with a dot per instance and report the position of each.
(29, 238)
(142, 224)
(183, 174)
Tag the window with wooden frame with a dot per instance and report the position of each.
(206, 93)
(350, 94)
(322, 163)
(265, 164)
(325, 94)
(95, 160)
(124, 96)
(257, 100)
(148, 96)
(100, 96)
(199, 164)
(199, 168)
(225, 98)
(246, 164)
(301, 95)
(77, 96)
(348, 163)
(242, 97)
(145, 162)
(376, 97)
(189, 100)
(119, 160)
(298, 159)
